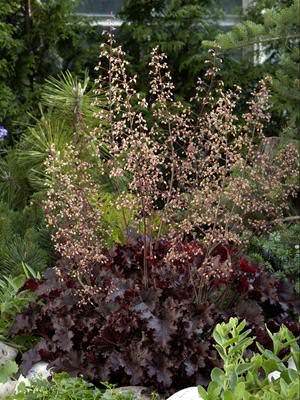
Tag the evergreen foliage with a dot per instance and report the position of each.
(272, 38)
(280, 253)
(68, 110)
(178, 27)
(23, 239)
(37, 39)
(14, 186)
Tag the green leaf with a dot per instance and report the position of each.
(293, 375)
(242, 368)
(217, 375)
(233, 378)
(239, 391)
(7, 370)
(228, 395)
(218, 337)
(214, 389)
(202, 392)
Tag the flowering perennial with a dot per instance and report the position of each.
(184, 171)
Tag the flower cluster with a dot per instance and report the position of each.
(182, 171)
(71, 208)
(200, 168)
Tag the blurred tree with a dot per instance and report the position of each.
(269, 40)
(37, 39)
(177, 26)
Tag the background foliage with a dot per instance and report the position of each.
(38, 39)
(279, 252)
(269, 40)
(178, 27)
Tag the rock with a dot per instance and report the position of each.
(273, 376)
(190, 393)
(7, 353)
(291, 364)
(276, 374)
(39, 370)
(22, 380)
(7, 388)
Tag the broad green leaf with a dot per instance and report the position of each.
(7, 370)
(239, 391)
(228, 395)
(202, 392)
(214, 389)
(242, 368)
(217, 375)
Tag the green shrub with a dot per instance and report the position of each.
(271, 36)
(13, 300)
(279, 252)
(23, 239)
(245, 377)
(64, 387)
(38, 39)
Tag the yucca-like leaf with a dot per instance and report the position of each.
(36, 144)
(19, 250)
(70, 99)
(38, 140)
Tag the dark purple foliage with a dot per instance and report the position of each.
(157, 337)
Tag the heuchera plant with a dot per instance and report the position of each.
(180, 170)
(191, 182)
(158, 336)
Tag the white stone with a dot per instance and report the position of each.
(190, 393)
(7, 353)
(21, 380)
(39, 370)
(276, 374)
(7, 388)
(273, 376)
